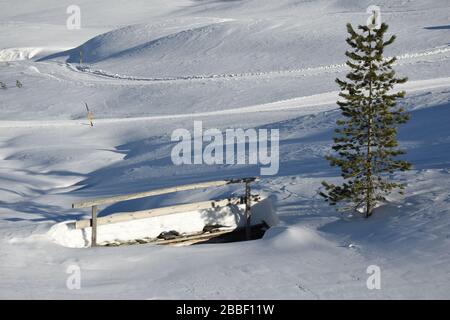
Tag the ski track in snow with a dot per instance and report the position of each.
(312, 101)
(402, 60)
(322, 99)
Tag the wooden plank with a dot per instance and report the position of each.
(128, 216)
(94, 227)
(138, 195)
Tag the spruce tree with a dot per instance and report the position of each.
(365, 143)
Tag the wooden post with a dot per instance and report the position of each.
(94, 226)
(247, 210)
(89, 115)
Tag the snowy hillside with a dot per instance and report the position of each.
(150, 67)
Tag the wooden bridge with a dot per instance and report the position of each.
(127, 216)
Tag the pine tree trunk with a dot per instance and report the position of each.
(369, 151)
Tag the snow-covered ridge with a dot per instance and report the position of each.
(133, 38)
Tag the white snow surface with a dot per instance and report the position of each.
(154, 66)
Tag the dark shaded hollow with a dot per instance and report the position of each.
(237, 235)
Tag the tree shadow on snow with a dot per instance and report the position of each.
(444, 27)
(39, 212)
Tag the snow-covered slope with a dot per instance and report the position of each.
(150, 67)
(243, 40)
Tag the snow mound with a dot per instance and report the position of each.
(202, 48)
(126, 40)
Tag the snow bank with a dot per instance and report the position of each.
(15, 54)
(65, 234)
(28, 53)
